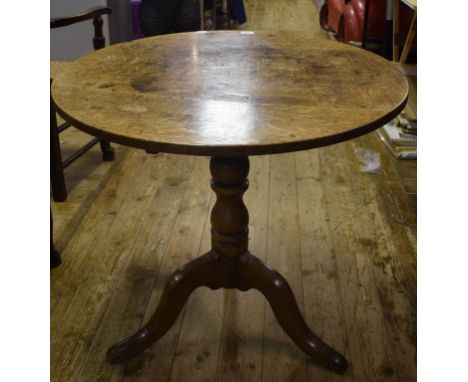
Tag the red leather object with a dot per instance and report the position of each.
(354, 13)
(335, 11)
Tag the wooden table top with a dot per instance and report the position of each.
(229, 93)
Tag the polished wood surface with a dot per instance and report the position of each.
(357, 239)
(267, 58)
(230, 93)
(279, 75)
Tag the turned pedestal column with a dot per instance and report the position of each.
(229, 264)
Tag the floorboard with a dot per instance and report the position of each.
(345, 240)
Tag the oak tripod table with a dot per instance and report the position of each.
(229, 95)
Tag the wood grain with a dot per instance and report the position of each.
(132, 292)
(241, 342)
(283, 253)
(184, 245)
(104, 252)
(226, 93)
(322, 299)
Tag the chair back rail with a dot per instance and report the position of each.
(89, 14)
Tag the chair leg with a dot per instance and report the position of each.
(55, 259)
(107, 151)
(57, 178)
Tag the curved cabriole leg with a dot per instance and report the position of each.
(203, 271)
(254, 273)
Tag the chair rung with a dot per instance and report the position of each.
(63, 127)
(79, 152)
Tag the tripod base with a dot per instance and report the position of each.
(244, 273)
(229, 264)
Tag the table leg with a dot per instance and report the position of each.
(199, 272)
(229, 264)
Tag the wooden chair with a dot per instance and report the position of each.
(57, 165)
(55, 259)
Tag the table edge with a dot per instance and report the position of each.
(230, 150)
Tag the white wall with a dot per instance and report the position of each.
(71, 42)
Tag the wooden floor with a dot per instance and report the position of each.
(344, 239)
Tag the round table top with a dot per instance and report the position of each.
(229, 93)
